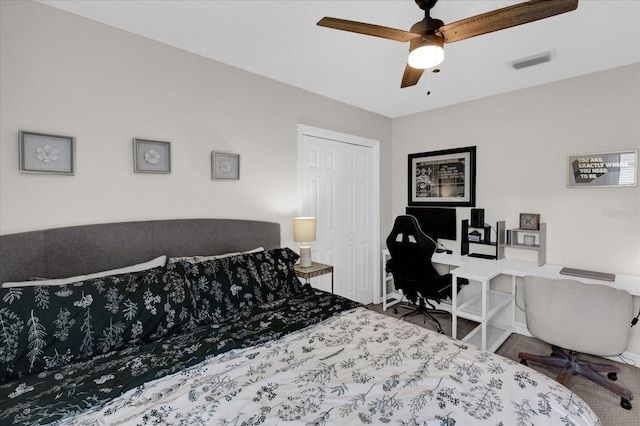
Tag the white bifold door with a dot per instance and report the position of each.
(337, 180)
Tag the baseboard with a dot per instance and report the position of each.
(626, 357)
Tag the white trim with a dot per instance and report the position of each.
(304, 130)
(625, 358)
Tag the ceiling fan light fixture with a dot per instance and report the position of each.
(426, 52)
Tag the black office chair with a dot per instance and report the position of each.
(413, 273)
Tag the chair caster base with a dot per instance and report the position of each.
(624, 403)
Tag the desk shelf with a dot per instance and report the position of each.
(513, 241)
(496, 300)
(496, 335)
(493, 309)
(485, 239)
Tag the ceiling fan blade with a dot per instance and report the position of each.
(410, 77)
(366, 29)
(505, 17)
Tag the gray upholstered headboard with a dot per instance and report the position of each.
(78, 250)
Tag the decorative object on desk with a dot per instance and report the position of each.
(151, 156)
(304, 231)
(529, 240)
(44, 153)
(444, 178)
(530, 221)
(618, 168)
(487, 234)
(225, 166)
(477, 218)
(475, 236)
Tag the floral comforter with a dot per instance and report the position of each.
(314, 359)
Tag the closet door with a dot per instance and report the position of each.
(337, 188)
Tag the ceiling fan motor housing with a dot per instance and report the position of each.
(430, 39)
(427, 26)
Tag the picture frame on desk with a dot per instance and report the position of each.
(443, 178)
(530, 221)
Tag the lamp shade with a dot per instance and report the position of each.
(426, 52)
(304, 229)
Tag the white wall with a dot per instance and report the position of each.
(63, 74)
(523, 140)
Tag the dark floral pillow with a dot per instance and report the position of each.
(224, 287)
(48, 326)
(277, 272)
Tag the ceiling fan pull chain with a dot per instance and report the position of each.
(428, 83)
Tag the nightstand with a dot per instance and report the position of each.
(315, 270)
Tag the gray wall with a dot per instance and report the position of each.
(64, 74)
(523, 141)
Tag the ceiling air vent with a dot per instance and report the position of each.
(531, 61)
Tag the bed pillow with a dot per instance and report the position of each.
(158, 261)
(224, 287)
(198, 259)
(48, 326)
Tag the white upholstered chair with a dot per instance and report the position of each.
(588, 318)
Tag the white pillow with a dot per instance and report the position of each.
(158, 261)
(198, 259)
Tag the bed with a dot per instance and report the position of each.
(219, 331)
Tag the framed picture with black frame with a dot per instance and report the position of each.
(443, 178)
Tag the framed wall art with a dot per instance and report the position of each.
(530, 221)
(443, 178)
(603, 169)
(225, 166)
(44, 153)
(151, 156)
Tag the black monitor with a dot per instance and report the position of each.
(436, 222)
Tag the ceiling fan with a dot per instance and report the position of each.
(427, 37)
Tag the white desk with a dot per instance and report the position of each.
(493, 309)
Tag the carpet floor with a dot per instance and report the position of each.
(606, 404)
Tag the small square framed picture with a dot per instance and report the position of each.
(44, 153)
(530, 221)
(225, 166)
(151, 156)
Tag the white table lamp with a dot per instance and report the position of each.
(304, 231)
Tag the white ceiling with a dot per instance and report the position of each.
(280, 40)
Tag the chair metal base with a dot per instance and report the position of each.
(422, 309)
(571, 365)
